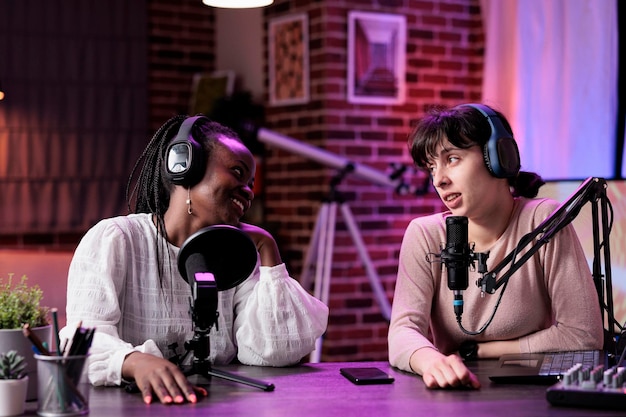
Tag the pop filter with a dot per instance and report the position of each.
(225, 251)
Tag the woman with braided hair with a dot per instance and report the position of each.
(124, 281)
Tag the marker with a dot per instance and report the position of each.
(34, 340)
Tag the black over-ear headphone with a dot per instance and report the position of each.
(185, 159)
(500, 152)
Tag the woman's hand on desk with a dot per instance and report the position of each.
(154, 375)
(441, 371)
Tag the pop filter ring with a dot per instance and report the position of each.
(230, 254)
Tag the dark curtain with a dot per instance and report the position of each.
(74, 118)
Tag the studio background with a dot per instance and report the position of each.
(87, 83)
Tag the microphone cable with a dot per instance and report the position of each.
(495, 307)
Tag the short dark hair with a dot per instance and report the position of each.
(463, 127)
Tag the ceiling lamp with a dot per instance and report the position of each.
(238, 4)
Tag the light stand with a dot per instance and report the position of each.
(320, 251)
(592, 190)
(231, 256)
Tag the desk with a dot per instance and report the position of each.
(319, 390)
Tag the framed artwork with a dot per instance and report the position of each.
(376, 58)
(288, 46)
(208, 88)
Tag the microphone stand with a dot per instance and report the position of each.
(591, 190)
(204, 317)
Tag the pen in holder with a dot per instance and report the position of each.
(62, 390)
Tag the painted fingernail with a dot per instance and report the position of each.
(193, 398)
(179, 399)
(147, 399)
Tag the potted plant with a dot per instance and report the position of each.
(21, 304)
(13, 384)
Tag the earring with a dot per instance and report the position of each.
(189, 211)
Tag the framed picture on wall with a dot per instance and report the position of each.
(376, 58)
(208, 88)
(288, 62)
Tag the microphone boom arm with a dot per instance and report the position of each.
(591, 190)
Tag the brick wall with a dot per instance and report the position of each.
(444, 64)
(181, 43)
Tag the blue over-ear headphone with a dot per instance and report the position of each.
(500, 152)
(185, 159)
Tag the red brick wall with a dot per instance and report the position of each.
(444, 64)
(181, 43)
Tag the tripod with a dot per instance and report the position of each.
(321, 252)
(200, 365)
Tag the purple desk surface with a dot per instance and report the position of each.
(320, 390)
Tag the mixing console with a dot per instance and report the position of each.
(590, 387)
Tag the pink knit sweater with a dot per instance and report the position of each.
(549, 304)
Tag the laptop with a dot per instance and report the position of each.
(543, 368)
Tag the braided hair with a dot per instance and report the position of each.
(151, 189)
(150, 193)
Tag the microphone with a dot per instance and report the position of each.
(457, 257)
(224, 251)
(213, 259)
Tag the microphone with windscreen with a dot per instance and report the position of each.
(215, 258)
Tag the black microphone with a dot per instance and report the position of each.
(224, 251)
(213, 259)
(457, 257)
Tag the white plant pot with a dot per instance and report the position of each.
(13, 396)
(13, 339)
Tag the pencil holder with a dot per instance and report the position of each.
(62, 389)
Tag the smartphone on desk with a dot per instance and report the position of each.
(366, 375)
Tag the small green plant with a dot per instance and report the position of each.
(20, 304)
(12, 365)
